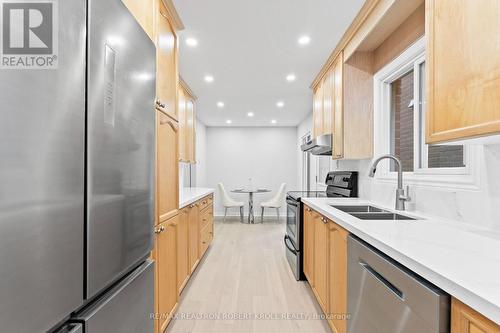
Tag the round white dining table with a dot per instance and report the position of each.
(251, 217)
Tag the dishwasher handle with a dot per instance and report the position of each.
(380, 278)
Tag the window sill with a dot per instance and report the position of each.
(462, 181)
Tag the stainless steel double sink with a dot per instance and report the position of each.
(367, 212)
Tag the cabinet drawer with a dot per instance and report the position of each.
(206, 216)
(206, 237)
(204, 203)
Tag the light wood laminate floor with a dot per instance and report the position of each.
(245, 274)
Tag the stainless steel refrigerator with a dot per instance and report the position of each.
(77, 147)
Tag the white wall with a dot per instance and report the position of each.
(268, 155)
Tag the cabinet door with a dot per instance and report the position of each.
(309, 245)
(190, 130)
(337, 280)
(194, 235)
(328, 99)
(167, 168)
(321, 260)
(318, 111)
(463, 69)
(338, 109)
(183, 156)
(466, 320)
(166, 49)
(165, 255)
(143, 11)
(183, 269)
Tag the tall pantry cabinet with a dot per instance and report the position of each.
(161, 22)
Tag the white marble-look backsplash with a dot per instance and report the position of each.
(479, 207)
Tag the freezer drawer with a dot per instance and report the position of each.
(70, 328)
(385, 297)
(120, 144)
(126, 307)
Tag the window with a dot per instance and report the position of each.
(407, 123)
(399, 122)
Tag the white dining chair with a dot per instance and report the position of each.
(275, 202)
(228, 202)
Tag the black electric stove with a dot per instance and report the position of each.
(340, 184)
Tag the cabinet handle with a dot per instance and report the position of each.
(324, 220)
(308, 209)
(157, 231)
(191, 206)
(160, 104)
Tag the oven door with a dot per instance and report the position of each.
(294, 258)
(292, 222)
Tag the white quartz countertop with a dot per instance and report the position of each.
(462, 260)
(188, 195)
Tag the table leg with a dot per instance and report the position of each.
(251, 218)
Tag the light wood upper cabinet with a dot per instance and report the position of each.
(183, 269)
(187, 122)
(318, 111)
(321, 260)
(337, 277)
(327, 113)
(338, 108)
(144, 13)
(466, 320)
(183, 155)
(167, 167)
(166, 57)
(190, 130)
(463, 69)
(328, 108)
(165, 256)
(309, 245)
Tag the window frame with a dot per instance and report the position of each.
(411, 59)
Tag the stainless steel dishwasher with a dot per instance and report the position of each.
(386, 297)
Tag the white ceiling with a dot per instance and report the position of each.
(250, 46)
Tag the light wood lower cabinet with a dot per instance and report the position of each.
(337, 277)
(194, 236)
(325, 266)
(309, 245)
(183, 269)
(165, 256)
(321, 261)
(206, 229)
(466, 320)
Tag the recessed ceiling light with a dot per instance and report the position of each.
(304, 40)
(220, 105)
(209, 78)
(274, 121)
(191, 42)
(280, 104)
(290, 77)
(228, 121)
(250, 114)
